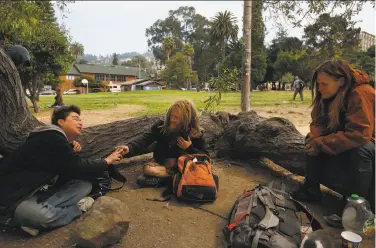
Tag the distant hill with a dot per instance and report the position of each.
(107, 59)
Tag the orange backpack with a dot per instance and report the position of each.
(195, 180)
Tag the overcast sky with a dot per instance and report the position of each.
(105, 27)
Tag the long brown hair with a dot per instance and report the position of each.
(337, 69)
(189, 118)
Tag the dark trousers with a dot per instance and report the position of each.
(300, 91)
(351, 172)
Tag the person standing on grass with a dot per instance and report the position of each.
(41, 181)
(177, 135)
(342, 134)
(298, 87)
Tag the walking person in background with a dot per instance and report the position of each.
(342, 135)
(298, 86)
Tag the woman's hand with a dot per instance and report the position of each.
(184, 144)
(311, 148)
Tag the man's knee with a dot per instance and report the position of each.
(83, 187)
(33, 214)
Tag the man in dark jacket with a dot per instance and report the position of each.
(41, 182)
(179, 134)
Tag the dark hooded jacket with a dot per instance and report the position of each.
(45, 155)
(165, 145)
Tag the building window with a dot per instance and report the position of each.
(68, 77)
(99, 77)
(120, 78)
(110, 78)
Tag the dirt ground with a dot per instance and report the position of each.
(170, 224)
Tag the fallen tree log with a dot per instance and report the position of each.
(246, 135)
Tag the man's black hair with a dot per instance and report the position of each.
(63, 112)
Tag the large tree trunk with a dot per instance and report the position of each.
(15, 118)
(246, 135)
(247, 58)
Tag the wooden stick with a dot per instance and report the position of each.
(280, 171)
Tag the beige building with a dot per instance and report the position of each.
(366, 40)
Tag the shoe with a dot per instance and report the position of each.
(85, 203)
(305, 193)
(333, 220)
(32, 231)
(150, 181)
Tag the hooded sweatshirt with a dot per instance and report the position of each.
(357, 125)
(44, 156)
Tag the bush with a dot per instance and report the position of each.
(92, 82)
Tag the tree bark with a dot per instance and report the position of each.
(246, 135)
(247, 32)
(15, 118)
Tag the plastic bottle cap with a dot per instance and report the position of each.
(354, 196)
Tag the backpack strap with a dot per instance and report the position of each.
(115, 174)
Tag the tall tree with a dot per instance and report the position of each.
(77, 50)
(247, 34)
(188, 51)
(258, 60)
(168, 46)
(224, 28)
(115, 59)
(178, 72)
(331, 35)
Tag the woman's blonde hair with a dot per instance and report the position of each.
(337, 69)
(189, 118)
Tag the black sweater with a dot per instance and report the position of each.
(166, 147)
(44, 155)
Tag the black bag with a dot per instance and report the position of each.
(265, 217)
(102, 184)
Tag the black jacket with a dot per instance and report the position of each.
(45, 154)
(166, 146)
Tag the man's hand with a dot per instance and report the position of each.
(184, 144)
(76, 146)
(114, 157)
(123, 150)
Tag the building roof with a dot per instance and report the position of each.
(110, 69)
(73, 71)
(147, 82)
(133, 82)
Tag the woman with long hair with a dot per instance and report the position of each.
(177, 135)
(342, 134)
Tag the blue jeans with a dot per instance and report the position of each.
(56, 211)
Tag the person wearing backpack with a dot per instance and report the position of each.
(177, 135)
(41, 181)
(298, 86)
(342, 135)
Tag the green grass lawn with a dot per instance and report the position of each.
(158, 101)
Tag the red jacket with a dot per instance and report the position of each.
(359, 123)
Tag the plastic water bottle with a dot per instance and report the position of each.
(357, 217)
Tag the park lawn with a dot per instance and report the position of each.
(157, 102)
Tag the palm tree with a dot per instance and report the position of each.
(168, 45)
(77, 49)
(224, 28)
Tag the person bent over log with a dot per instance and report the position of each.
(177, 135)
(342, 135)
